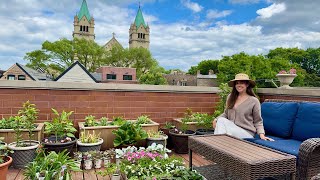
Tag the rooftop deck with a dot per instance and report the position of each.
(197, 160)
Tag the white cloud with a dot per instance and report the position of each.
(214, 14)
(271, 10)
(243, 1)
(195, 7)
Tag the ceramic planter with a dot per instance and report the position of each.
(88, 164)
(180, 141)
(106, 132)
(115, 177)
(84, 147)
(191, 125)
(286, 80)
(160, 140)
(4, 167)
(59, 147)
(23, 155)
(204, 131)
(106, 162)
(97, 163)
(9, 134)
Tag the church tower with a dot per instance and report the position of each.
(139, 32)
(83, 23)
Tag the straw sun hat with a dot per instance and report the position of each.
(241, 77)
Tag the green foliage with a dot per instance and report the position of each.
(225, 90)
(109, 170)
(118, 121)
(89, 137)
(55, 57)
(19, 121)
(61, 125)
(258, 68)
(129, 133)
(30, 114)
(204, 67)
(103, 121)
(90, 121)
(7, 123)
(52, 166)
(143, 119)
(169, 125)
(4, 151)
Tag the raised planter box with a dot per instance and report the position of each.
(106, 132)
(191, 125)
(9, 134)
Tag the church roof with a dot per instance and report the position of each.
(139, 19)
(84, 11)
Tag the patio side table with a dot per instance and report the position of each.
(244, 160)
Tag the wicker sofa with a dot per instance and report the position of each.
(295, 126)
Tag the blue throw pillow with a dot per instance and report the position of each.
(278, 117)
(307, 124)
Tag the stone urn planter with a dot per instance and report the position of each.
(286, 80)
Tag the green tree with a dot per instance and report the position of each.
(204, 67)
(55, 57)
(259, 68)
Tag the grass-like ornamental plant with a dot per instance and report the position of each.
(51, 166)
(61, 126)
(86, 137)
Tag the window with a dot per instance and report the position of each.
(21, 77)
(111, 76)
(80, 28)
(11, 77)
(127, 77)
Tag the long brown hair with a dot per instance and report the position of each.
(234, 94)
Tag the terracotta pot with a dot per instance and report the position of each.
(4, 168)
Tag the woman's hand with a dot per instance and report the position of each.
(262, 136)
(214, 123)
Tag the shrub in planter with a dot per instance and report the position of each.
(61, 130)
(204, 120)
(24, 150)
(89, 142)
(51, 166)
(128, 134)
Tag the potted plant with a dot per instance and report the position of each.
(108, 156)
(89, 142)
(105, 128)
(157, 137)
(180, 138)
(87, 160)
(128, 134)
(5, 159)
(77, 156)
(286, 78)
(97, 157)
(204, 120)
(189, 120)
(24, 150)
(61, 130)
(110, 169)
(143, 119)
(51, 166)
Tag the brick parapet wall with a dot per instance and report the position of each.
(303, 94)
(161, 103)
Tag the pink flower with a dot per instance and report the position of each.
(293, 71)
(282, 72)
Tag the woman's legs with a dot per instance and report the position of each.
(225, 126)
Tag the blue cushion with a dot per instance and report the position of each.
(307, 124)
(289, 146)
(256, 137)
(278, 117)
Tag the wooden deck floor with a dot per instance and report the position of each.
(197, 160)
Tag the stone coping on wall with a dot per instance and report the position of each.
(298, 91)
(105, 87)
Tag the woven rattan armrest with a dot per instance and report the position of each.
(309, 159)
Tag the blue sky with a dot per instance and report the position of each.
(183, 32)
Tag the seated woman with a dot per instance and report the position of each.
(242, 116)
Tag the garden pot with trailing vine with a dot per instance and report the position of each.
(129, 134)
(24, 151)
(61, 130)
(89, 142)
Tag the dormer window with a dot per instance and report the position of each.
(21, 77)
(11, 77)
